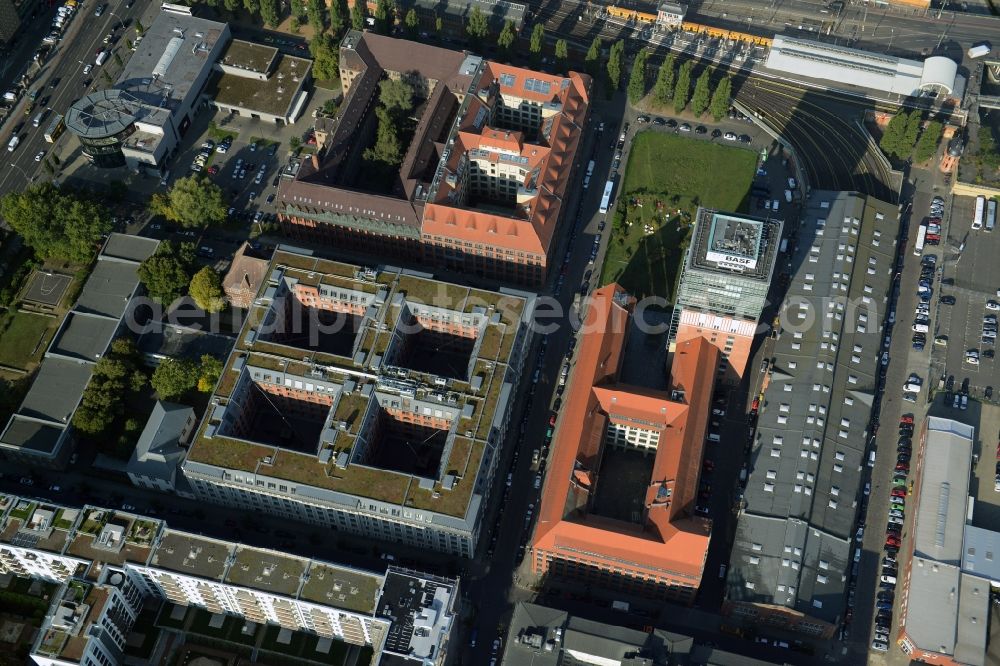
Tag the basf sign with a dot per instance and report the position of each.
(731, 261)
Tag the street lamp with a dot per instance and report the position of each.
(23, 172)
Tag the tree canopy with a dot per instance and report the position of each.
(721, 99)
(193, 201)
(637, 80)
(116, 374)
(615, 63)
(682, 89)
(507, 36)
(702, 93)
(384, 16)
(316, 11)
(206, 290)
(167, 273)
(396, 95)
(326, 57)
(174, 377)
(562, 52)
(209, 372)
(663, 89)
(928, 143)
(537, 41)
(593, 58)
(55, 223)
(359, 12)
(478, 26)
(269, 12)
(411, 21)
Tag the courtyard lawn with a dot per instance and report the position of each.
(667, 177)
(20, 333)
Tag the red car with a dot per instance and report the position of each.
(214, 169)
(906, 418)
(902, 467)
(552, 419)
(708, 465)
(892, 541)
(898, 492)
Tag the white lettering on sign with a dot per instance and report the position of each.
(732, 260)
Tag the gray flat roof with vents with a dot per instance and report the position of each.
(83, 337)
(56, 390)
(176, 48)
(109, 288)
(943, 490)
(794, 539)
(130, 248)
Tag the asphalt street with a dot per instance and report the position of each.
(78, 48)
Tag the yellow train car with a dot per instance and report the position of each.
(631, 15)
(722, 33)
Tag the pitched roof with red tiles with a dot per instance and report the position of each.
(671, 539)
(548, 166)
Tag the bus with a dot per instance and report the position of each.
(55, 128)
(606, 199)
(991, 214)
(977, 217)
(918, 248)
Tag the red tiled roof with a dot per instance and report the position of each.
(670, 540)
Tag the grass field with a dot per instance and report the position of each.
(19, 336)
(667, 177)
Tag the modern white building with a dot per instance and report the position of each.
(834, 64)
(110, 562)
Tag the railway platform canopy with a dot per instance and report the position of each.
(936, 75)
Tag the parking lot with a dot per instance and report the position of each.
(970, 274)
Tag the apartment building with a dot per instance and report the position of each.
(725, 278)
(370, 401)
(588, 527)
(481, 186)
(111, 562)
(794, 547)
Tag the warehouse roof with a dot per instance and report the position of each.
(943, 491)
(793, 538)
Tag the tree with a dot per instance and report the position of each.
(537, 42)
(174, 377)
(326, 57)
(721, 99)
(56, 223)
(682, 89)
(139, 28)
(195, 201)
(892, 140)
(663, 89)
(913, 124)
(359, 12)
(928, 143)
(396, 96)
(103, 403)
(615, 64)
(383, 16)
(316, 12)
(294, 144)
(477, 26)
(209, 371)
(206, 290)
(269, 12)
(297, 9)
(411, 22)
(592, 61)
(438, 25)
(252, 6)
(562, 53)
(167, 273)
(506, 38)
(702, 93)
(387, 149)
(637, 80)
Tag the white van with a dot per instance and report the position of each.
(911, 387)
(788, 196)
(39, 117)
(871, 459)
(920, 328)
(14, 140)
(888, 580)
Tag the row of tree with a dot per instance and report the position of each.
(57, 223)
(903, 136)
(169, 274)
(673, 88)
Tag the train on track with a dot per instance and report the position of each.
(648, 18)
